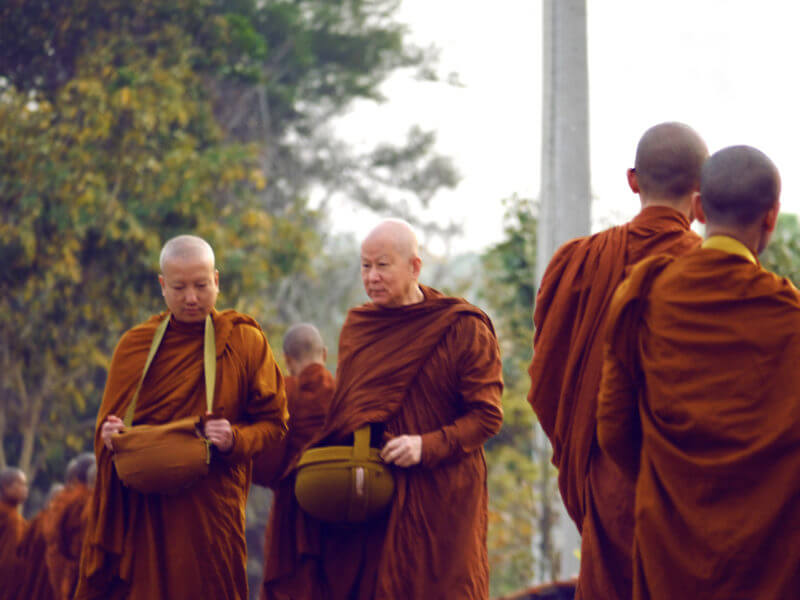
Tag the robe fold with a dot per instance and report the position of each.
(431, 369)
(569, 318)
(287, 572)
(190, 544)
(12, 528)
(31, 553)
(65, 526)
(700, 399)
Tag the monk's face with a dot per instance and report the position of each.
(389, 276)
(190, 287)
(16, 492)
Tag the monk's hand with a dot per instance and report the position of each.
(112, 425)
(220, 433)
(403, 450)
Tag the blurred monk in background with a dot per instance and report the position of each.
(32, 554)
(700, 400)
(423, 370)
(569, 318)
(288, 573)
(65, 527)
(13, 493)
(189, 544)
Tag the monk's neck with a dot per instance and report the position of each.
(751, 239)
(682, 205)
(8, 506)
(415, 296)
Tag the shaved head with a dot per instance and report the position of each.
(9, 476)
(739, 185)
(397, 233)
(78, 468)
(390, 264)
(303, 343)
(13, 486)
(669, 158)
(186, 247)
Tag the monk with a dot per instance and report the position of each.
(65, 527)
(188, 544)
(700, 400)
(31, 553)
(569, 317)
(13, 493)
(288, 573)
(423, 370)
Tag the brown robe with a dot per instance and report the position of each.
(190, 544)
(65, 527)
(701, 398)
(34, 578)
(12, 528)
(287, 571)
(431, 369)
(565, 376)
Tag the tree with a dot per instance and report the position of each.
(782, 255)
(522, 487)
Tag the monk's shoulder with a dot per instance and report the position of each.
(141, 333)
(239, 330)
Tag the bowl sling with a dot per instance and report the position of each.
(344, 484)
(169, 457)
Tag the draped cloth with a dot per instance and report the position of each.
(190, 544)
(65, 526)
(569, 318)
(34, 577)
(12, 528)
(700, 400)
(287, 571)
(432, 369)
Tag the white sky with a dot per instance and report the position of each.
(725, 67)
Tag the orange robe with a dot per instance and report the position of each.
(12, 528)
(565, 377)
(700, 398)
(431, 369)
(65, 527)
(34, 578)
(190, 544)
(287, 572)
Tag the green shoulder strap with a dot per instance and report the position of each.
(209, 365)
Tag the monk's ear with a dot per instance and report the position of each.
(771, 218)
(216, 278)
(416, 266)
(163, 285)
(633, 181)
(697, 208)
(324, 354)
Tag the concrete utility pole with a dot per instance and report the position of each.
(565, 196)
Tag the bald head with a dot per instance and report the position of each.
(13, 486)
(79, 467)
(397, 234)
(303, 343)
(186, 248)
(739, 185)
(669, 158)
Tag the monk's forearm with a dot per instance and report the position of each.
(618, 429)
(466, 434)
(250, 439)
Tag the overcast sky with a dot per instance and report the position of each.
(725, 67)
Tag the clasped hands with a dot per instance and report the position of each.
(403, 450)
(217, 431)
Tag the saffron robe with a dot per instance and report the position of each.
(288, 573)
(12, 528)
(65, 527)
(34, 578)
(569, 318)
(431, 369)
(190, 544)
(700, 399)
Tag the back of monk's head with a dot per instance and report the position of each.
(13, 486)
(740, 184)
(669, 158)
(303, 345)
(78, 468)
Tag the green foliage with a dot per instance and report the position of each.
(521, 481)
(782, 255)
